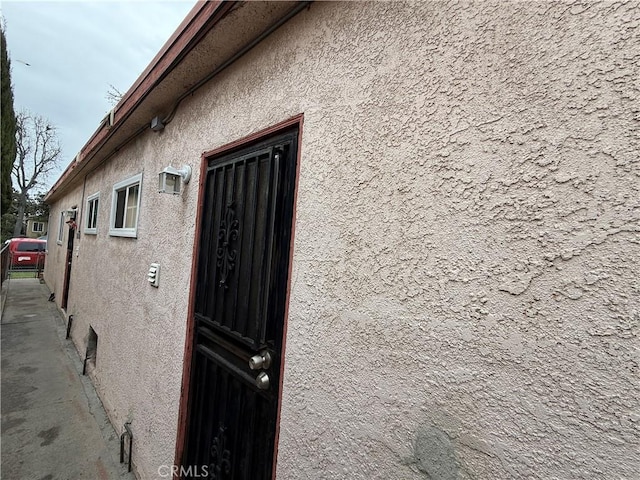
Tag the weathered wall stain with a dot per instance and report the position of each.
(434, 454)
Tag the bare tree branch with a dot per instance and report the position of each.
(38, 153)
(113, 95)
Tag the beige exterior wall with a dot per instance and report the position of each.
(57, 245)
(465, 293)
(140, 328)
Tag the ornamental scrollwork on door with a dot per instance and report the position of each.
(226, 254)
(220, 457)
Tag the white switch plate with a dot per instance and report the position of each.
(153, 277)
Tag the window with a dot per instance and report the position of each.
(31, 247)
(125, 206)
(61, 228)
(91, 225)
(38, 227)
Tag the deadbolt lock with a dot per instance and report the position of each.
(260, 361)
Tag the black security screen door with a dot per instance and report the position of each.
(239, 310)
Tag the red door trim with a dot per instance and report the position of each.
(67, 280)
(244, 142)
(183, 412)
(288, 296)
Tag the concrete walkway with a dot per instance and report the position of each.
(53, 424)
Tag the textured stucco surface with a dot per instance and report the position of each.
(465, 288)
(140, 328)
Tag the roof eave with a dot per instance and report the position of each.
(202, 18)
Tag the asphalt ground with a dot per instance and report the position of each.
(54, 426)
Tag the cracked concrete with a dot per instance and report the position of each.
(53, 424)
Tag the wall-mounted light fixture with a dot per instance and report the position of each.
(170, 179)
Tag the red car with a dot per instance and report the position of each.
(26, 253)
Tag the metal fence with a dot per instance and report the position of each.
(5, 262)
(11, 267)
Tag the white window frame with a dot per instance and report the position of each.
(61, 229)
(89, 205)
(34, 229)
(125, 184)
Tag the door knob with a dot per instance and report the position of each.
(262, 381)
(262, 360)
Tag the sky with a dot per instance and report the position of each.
(75, 51)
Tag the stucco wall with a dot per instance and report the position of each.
(57, 250)
(465, 289)
(140, 328)
(464, 299)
